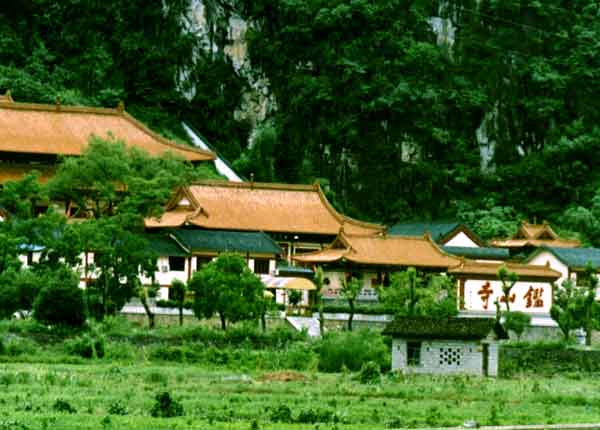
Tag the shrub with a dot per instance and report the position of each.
(18, 291)
(61, 301)
(117, 408)
(370, 373)
(351, 349)
(516, 321)
(281, 413)
(166, 406)
(86, 346)
(63, 406)
(311, 416)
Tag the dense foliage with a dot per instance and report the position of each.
(481, 110)
(226, 286)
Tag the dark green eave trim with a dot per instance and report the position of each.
(199, 240)
(482, 253)
(440, 328)
(575, 259)
(165, 246)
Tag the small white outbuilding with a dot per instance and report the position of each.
(444, 346)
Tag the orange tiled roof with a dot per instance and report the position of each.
(382, 250)
(259, 207)
(65, 130)
(468, 267)
(519, 243)
(535, 235)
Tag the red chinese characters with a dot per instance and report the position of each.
(485, 292)
(533, 298)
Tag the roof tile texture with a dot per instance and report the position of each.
(383, 250)
(263, 207)
(65, 130)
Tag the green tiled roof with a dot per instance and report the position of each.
(165, 246)
(436, 229)
(197, 240)
(294, 271)
(482, 253)
(434, 328)
(575, 258)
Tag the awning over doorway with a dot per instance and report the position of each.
(287, 283)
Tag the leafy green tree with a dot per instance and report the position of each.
(588, 308)
(226, 286)
(411, 293)
(116, 187)
(144, 293)
(60, 301)
(564, 310)
(319, 283)
(350, 290)
(508, 280)
(178, 291)
(18, 291)
(517, 322)
(295, 297)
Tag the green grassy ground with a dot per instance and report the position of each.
(222, 399)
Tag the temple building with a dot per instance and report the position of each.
(530, 237)
(34, 136)
(372, 259)
(454, 237)
(298, 217)
(571, 263)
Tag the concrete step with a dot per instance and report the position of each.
(310, 324)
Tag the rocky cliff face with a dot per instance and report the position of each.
(208, 19)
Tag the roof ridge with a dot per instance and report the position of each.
(254, 185)
(41, 107)
(341, 217)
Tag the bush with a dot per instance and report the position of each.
(86, 346)
(18, 291)
(61, 301)
(351, 350)
(281, 414)
(516, 321)
(63, 406)
(337, 307)
(312, 416)
(370, 373)
(173, 304)
(166, 406)
(117, 408)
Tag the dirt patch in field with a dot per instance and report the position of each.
(285, 376)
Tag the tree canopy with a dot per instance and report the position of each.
(226, 286)
(405, 109)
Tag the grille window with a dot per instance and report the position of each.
(450, 356)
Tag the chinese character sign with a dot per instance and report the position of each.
(531, 297)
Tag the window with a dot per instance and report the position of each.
(413, 353)
(177, 264)
(202, 261)
(261, 265)
(450, 356)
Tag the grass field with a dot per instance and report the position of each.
(108, 395)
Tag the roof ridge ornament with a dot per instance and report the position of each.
(57, 103)
(121, 107)
(8, 96)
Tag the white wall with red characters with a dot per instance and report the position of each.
(530, 297)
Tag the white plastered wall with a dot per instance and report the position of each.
(546, 257)
(461, 239)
